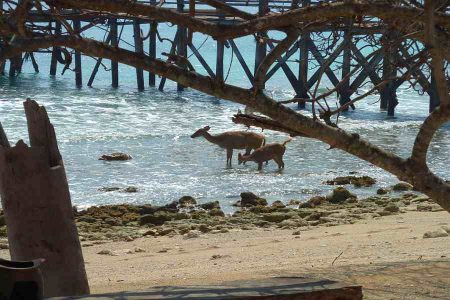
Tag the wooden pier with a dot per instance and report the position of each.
(334, 52)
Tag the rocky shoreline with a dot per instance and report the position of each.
(186, 217)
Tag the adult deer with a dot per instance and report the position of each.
(230, 140)
(265, 153)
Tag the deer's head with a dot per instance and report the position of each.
(200, 132)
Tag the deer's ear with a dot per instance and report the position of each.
(206, 128)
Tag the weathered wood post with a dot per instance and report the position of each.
(303, 66)
(388, 95)
(152, 47)
(55, 51)
(38, 211)
(182, 39)
(220, 51)
(261, 46)
(78, 71)
(344, 91)
(114, 43)
(138, 48)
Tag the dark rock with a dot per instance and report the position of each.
(402, 186)
(435, 234)
(357, 181)
(210, 205)
(147, 209)
(382, 191)
(204, 228)
(160, 217)
(165, 231)
(237, 204)
(115, 156)
(150, 232)
(109, 189)
(199, 214)
(339, 195)
(262, 209)
(392, 207)
(192, 235)
(87, 219)
(249, 199)
(313, 202)
(113, 221)
(278, 204)
(276, 217)
(183, 229)
(216, 212)
(130, 189)
(187, 201)
(424, 207)
(294, 202)
(171, 206)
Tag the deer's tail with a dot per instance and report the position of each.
(264, 142)
(287, 141)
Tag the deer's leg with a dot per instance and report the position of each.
(260, 164)
(229, 156)
(279, 161)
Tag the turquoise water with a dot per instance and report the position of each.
(155, 127)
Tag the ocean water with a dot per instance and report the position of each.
(154, 128)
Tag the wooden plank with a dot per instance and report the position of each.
(287, 71)
(162, 83)
(321, 60)
(138, 48)
(201, 60)
(98, 63)
(34, 63)
(331, 58)
(241, 60)
(277, 66)
(285, 288)
(368, 70)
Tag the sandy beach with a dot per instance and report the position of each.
(388, 256)
(396, 246)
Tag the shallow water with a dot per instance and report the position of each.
(155, 127)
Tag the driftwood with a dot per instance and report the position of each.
(264, 123)
(37, 206)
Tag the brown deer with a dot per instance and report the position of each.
(265, 153)
(230, 140)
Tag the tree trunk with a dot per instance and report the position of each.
(37, 206)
